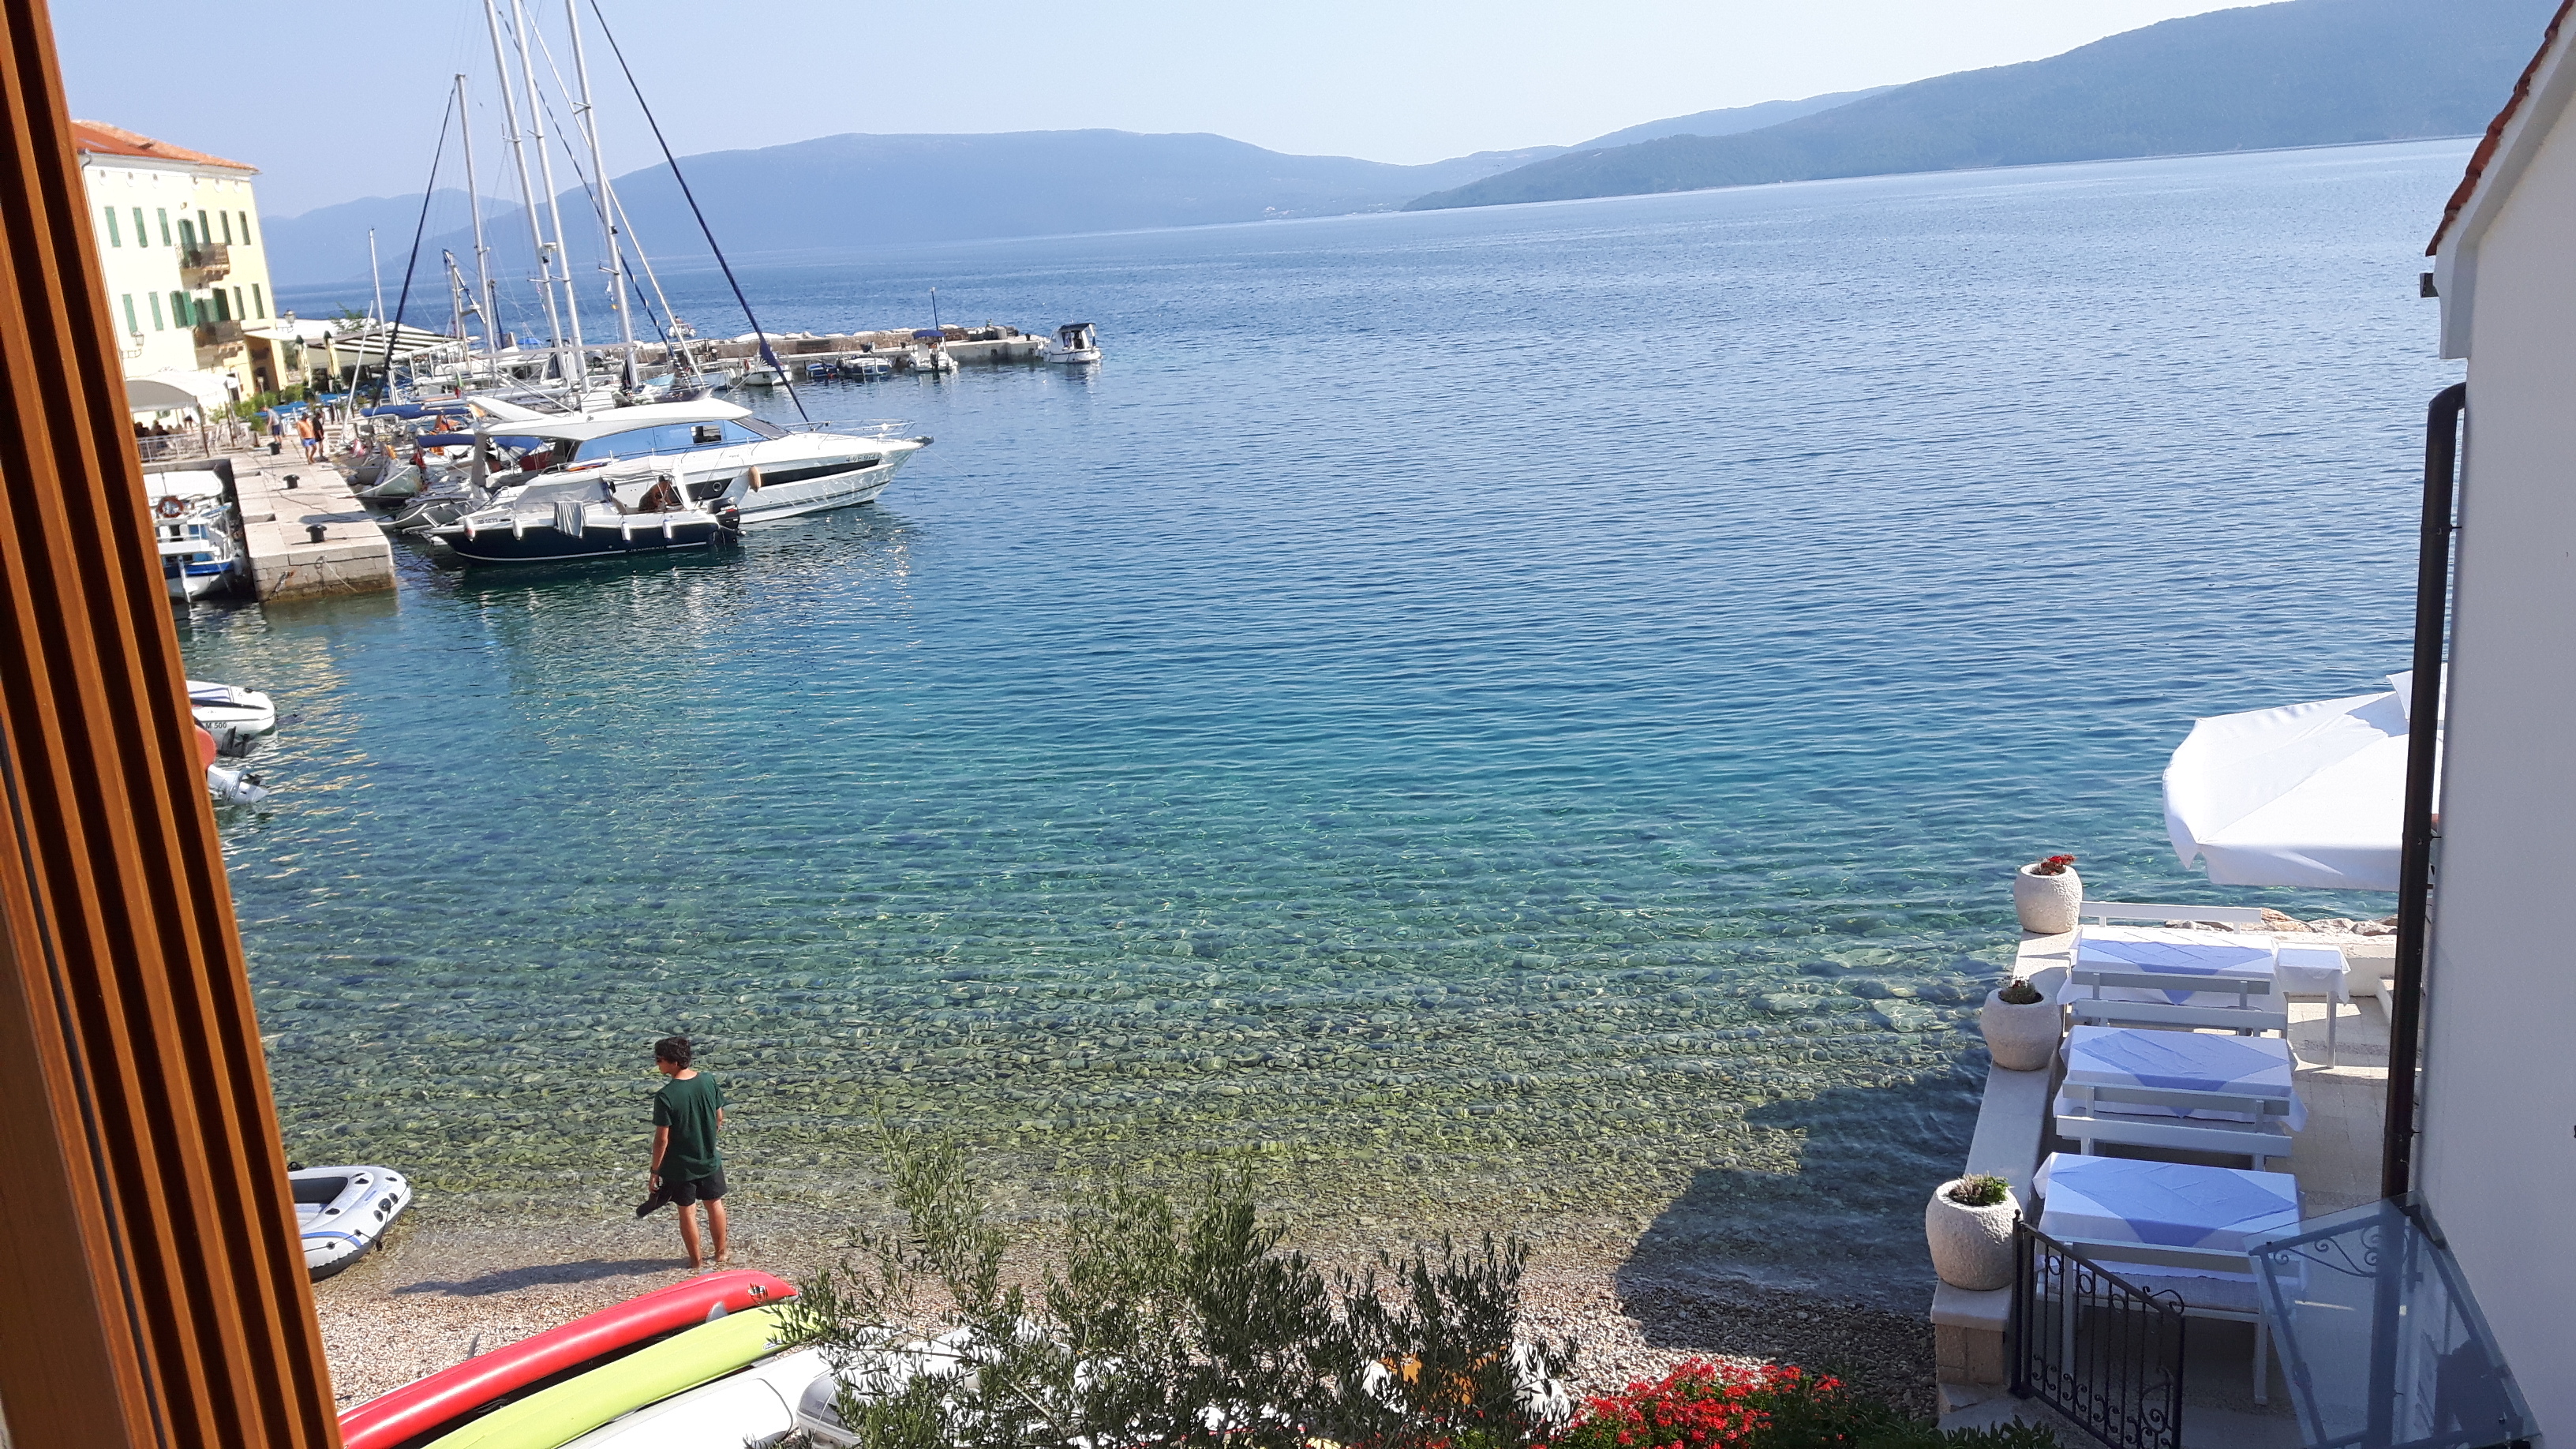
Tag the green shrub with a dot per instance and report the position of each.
(1167, 1325)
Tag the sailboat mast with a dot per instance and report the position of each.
(607, 205)
(580, 377)
(527, 187)
(482, 253)
(376, 274)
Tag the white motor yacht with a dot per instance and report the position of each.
(725, 461)
(193, 525)
(1075, 342)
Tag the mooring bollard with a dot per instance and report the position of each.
(314, 529)
(290, 482)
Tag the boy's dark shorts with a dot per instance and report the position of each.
(705, 1189)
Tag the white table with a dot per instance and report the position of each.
(2293, 968)
(2179, 1061)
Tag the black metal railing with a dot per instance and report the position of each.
(2100, 1350)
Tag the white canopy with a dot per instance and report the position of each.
(2303, 795)
(174, 388)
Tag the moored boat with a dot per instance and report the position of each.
(566, 519)
(722, 459)
(192, 525)
(229, 708)
(1075, 342)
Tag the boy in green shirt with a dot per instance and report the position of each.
(687, 1169)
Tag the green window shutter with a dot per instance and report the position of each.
(238, 309)
(245, 218)
(114, 239)
(142, 238)
(156, 313)
(226, 218)
(187, 232)
(179, 310)
(258, 303)
(133, 323)
(205, 229)
(165, 226)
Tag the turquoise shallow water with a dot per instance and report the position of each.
(1524, 713)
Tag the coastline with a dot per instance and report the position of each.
(451, 1285)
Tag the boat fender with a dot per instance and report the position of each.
(170, 508)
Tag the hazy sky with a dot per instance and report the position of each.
(335, 101)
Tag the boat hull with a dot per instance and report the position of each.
(775, 503)
(544, 543)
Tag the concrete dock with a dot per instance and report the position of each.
(282, 553)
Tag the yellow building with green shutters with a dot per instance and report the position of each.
(187, 276)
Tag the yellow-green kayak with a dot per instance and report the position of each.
(570, 1409)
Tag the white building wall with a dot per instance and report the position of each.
(143, 271)
(2498, 1156)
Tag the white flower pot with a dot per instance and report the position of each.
(2047, 903)
(2021, 1038)
(1972, 1247)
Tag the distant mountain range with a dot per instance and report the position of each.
(2305, 72)
(844, 190)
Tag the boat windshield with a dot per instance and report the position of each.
(672, 438)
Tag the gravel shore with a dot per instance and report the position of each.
(448, 1286)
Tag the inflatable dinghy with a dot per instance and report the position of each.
(442, 1402)
(344, 1211)
(551, 1418)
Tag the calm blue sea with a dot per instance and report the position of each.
(1521, 715)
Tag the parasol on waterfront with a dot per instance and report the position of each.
(2302, 795)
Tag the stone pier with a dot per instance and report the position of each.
(284, 557)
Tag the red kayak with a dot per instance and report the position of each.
(440, 1402)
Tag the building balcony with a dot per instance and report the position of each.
(205, 261)
(218, 334)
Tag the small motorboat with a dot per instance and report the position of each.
(929, 352)
(229, 707)
(761, 374)
(192, 522)
(344, 1212)
(1075, 342)
(444, 1400)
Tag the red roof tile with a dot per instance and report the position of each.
(2485, 154)
(97, 138)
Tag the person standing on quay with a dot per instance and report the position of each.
(687, 1168)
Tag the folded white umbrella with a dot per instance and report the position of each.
(2303, 795)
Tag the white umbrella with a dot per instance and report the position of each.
(2303, 795)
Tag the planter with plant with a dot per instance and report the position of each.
(1969, 1224)
(2047, 893)
(2021, 1026)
